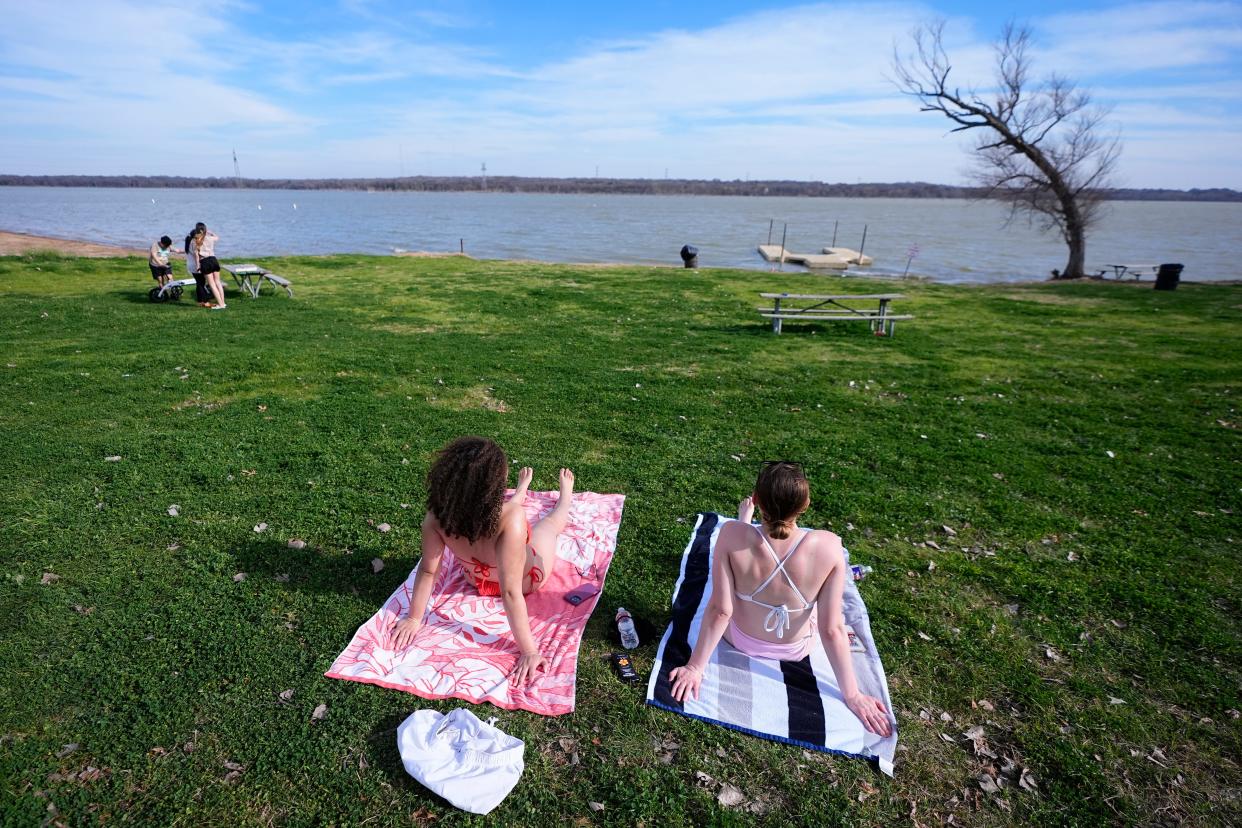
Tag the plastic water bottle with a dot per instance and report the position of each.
(625, 626)
(860, 571)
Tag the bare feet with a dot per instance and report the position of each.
(567, 486)
(746, 509)
(525, 475)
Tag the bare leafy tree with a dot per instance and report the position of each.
(1043, 147)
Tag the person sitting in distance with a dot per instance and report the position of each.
(157, 260)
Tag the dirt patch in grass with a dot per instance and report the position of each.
(475, 397)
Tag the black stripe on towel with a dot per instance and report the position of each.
(806, 707)
(685, 606)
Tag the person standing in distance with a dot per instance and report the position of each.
(208, 265)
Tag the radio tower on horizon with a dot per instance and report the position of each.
(484, 170)
(236, 169)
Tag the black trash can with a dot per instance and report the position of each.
(1168, 276)
(690, 255)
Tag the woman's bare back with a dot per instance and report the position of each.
(751, 563)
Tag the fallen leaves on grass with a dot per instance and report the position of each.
(667, 748)
(320, 712)
(250, 472)
(234, 771)
(112, 458)
(384, 527)
(286, 695)
(81, 610)
(1051, 654)
(730, 796)
(282, 578)
(377, 565)
(67, 749)
(174, 510)
(49, 578)
(260, 527)
(595, 806)
(924, 636)
(949, 530)
(239, 577)
(295, 543)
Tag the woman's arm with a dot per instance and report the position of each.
(428, 565)
(836, 640)
(686, 680)
(511, 563)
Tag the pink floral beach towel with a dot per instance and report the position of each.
(465, 650)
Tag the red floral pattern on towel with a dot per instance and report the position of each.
(465, 649)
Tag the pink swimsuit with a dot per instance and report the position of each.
(758, 648)
(777, 620)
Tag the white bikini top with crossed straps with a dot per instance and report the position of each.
(777, 619)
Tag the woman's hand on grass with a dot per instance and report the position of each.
(686, 681)
(528, 664)
(403, 632)
(871, 712)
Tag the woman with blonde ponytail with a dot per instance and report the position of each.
(208, 265)
(761, 577)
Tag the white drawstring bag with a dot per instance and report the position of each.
(470, 763)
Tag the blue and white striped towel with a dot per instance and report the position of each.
(796, 702)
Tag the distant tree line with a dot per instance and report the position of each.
(625, 186)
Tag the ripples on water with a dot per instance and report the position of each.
(958, 241)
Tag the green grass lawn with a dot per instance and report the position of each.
(1081, 442)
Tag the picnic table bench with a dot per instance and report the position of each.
(834, 309)
(243, 273)
(1121, 271)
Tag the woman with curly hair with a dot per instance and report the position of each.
(490, 537)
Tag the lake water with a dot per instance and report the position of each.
(957, 241)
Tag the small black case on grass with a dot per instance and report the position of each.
(624, 666)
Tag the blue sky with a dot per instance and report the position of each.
(701, 89)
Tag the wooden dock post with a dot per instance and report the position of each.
(834, 232)
(784, 232)
(770, 223)
(862, 246)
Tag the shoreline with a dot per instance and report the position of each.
(20, 244)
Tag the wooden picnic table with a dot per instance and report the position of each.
(1120, 271)
(834, 308)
